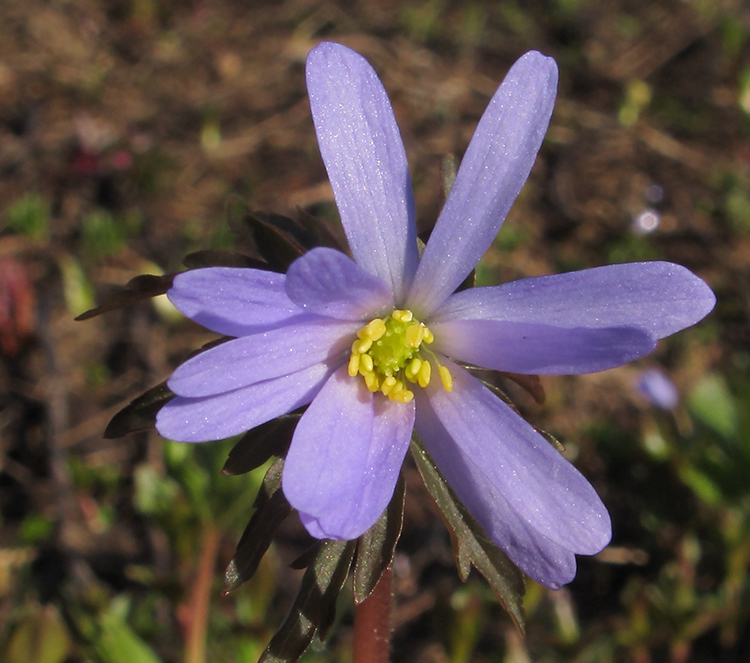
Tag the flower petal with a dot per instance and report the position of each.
(224, 415)
(527, 497)
(537, 556)
(250, 359)
(345, 458)
(492, 173)
(232, 301)
(523, 347)
(658, 297)
(326, 282)
(366, 163)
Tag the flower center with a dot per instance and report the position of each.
(390, 351)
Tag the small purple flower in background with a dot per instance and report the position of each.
(658, 389)
(371, 344)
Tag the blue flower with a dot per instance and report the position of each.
(374, 344)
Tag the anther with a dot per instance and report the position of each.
(373, 330)
(412, 369)
(446, 378)
(425, 372)
(414, 335)
(361, 345)
(365, 364)
(372, 382)
(388, 354)
(402, 316)
(388, 384)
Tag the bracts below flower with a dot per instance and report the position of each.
(378, 345)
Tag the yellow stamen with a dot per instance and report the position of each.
(388, 385)
(365, 364)
(414, 335)
(412, 369)
(402, 396)
(425, 372)
(372, 382)
(361, 346)
(373, 330)
(402, 316)
(446, 378)
(389, 351)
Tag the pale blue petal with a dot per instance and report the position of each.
(366, 163)
(250, 359)
(492, 173)
(224, 415)
(326, 282)
(654, 385)
(532, 348)
(345, 458)
(232, 301)
(530, 500)
(659, 297)
(537, 556)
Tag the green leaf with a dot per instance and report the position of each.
(471, 546)
(40, 637)
(141, 287)
(258, 445)
(315, 605)
(377, 545)
(711, 401)
(118, 643)
(140, 414)
(271, 508)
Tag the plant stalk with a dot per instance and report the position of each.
(372, 623)
(200, 599)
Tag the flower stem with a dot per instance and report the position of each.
(372, 623)
(200, 599)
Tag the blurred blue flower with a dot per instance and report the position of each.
(658, 389)
(371, 344)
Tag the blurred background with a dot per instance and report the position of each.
(126, 125)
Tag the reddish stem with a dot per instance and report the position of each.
(372, 625)
(200, 599)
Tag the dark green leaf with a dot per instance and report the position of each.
(307, 557)
(140, 414)
(236, 209)
(377, 545)
(531, 383)
(277, 238)
(213, 258)
(137, 289)
(315, 605)
(208, 346)
(271, 508)
(551, 439)
(448, 172)
(318, 229)
(470, 544)
(468, 282)
(257, 445)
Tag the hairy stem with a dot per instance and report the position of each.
(372, 623)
